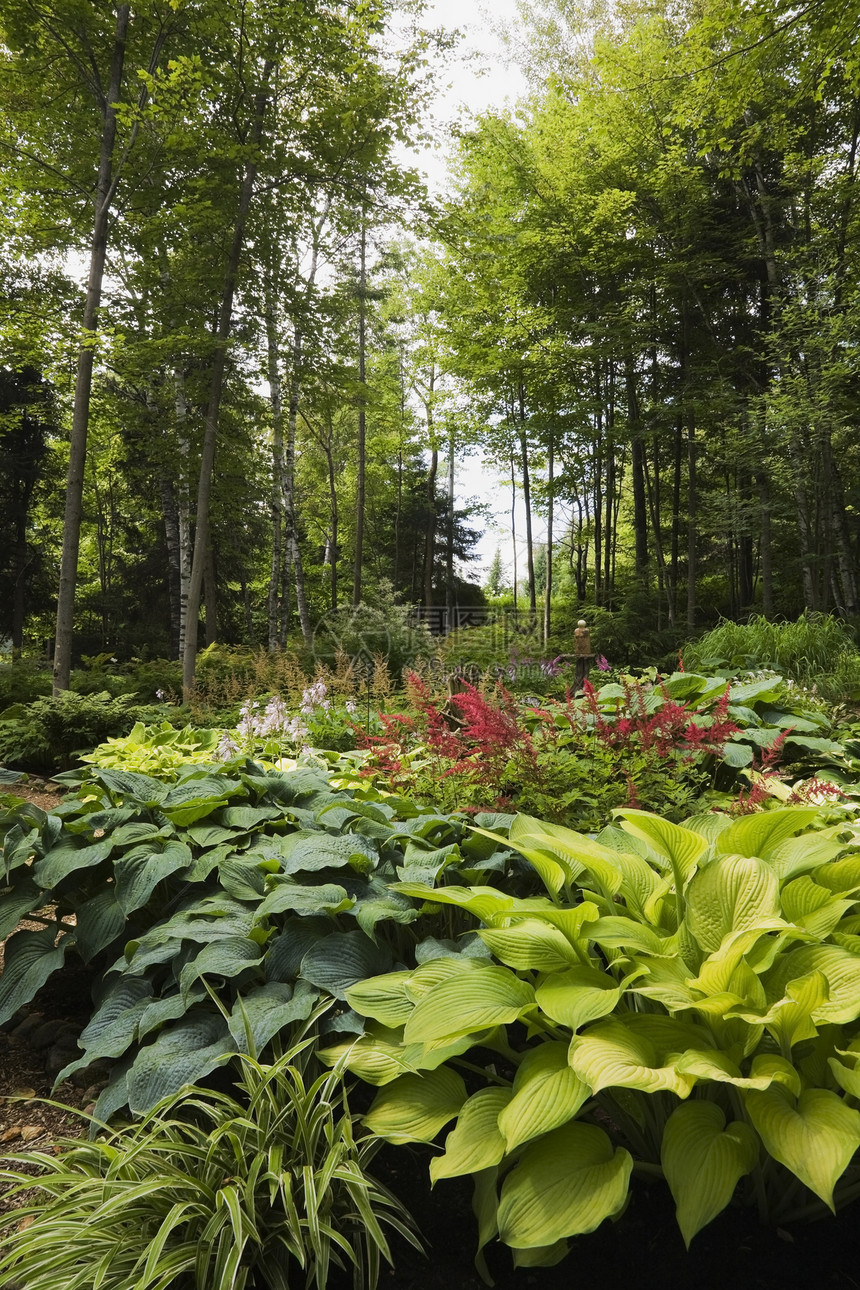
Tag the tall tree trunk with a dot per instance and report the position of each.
(547, 604)
(765, 549)
(183, 503)
(291, 527)
(430, 491)
(637, 468)
(276, 498)
(105, 189)
(210, 597)
(449, 554)
(171, 534)
(692, 518)
(527, 503)
(361, 481)
(213, 409)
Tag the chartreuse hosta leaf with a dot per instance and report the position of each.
(579, 995)
(815, 1136)
(546, 1094)
(483, 902)
(762, 833)
(415, 1107)
(807, 904)
(476, 1000)
(702, 1160)
(475, 1142)
(842, 877)
(677, 848)
(565, 1184)
(531, 944)
(639, 1052)
(734, 893)
(840, 969)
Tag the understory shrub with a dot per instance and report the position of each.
(683, 1001)
(49, 733)
(210, 1189)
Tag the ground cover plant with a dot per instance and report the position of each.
(244, 1188)
(684, 1002)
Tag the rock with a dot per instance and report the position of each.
(28, 1026)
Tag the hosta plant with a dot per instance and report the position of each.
(683, 1000)
(273, 886)
(267, 1187)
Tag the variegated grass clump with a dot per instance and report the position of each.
(267, 1189)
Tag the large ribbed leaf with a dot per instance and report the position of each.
(761, 833)
(332, 851)
(734, 893)
(578, 995)
(327, 898)
(382, 997)
(480, 901)
(415, 1107)
(338, 961)
(490, 996)
(841, 970)
(807, 904)
(702, 1161)
(24, 897)
(531, 944)
(181, 1055)
(138, 872)
(546, 1094)
(30, 958)
(815, 1137)
(678, 848)
(100, 921)
(612, 1055)
(66, 858)
(224, 958)
(267, 1010)
(475, 1142)
(565, 1184)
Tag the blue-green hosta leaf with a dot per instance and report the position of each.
(546, 1094)
(475, 1142)
(734, 893)
(469, 946)
(429, 862)
(290, 944)
(702, 1160)
(210, 835)
(138, 872)
(565, 1184)
(332, 851)
(414, 1108)
(111, 1041)
(530, 944)
(301, 898)
(169, 1008)
(764, 690)
(476, 1000)
(24, 897)
(841, 971)
(136, 832)
(376, 903)
(242, 878)
(340, 960)
(29, 959)
(267, 1010)
(144, 790)
(809, 905)
(677, 848)
(209, 918)
(578, 995)
(613, 1055)
(248, 817)
(760, 834)
(123, 996)
(737, 754)
(182, 1054)
(815, 1137)
(65, 859)
(224, 958)
(100, 921)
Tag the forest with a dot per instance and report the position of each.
(245, 355)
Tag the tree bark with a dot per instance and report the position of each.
(210, 428)
(105, 188)
(361, 481)
(547, 604)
